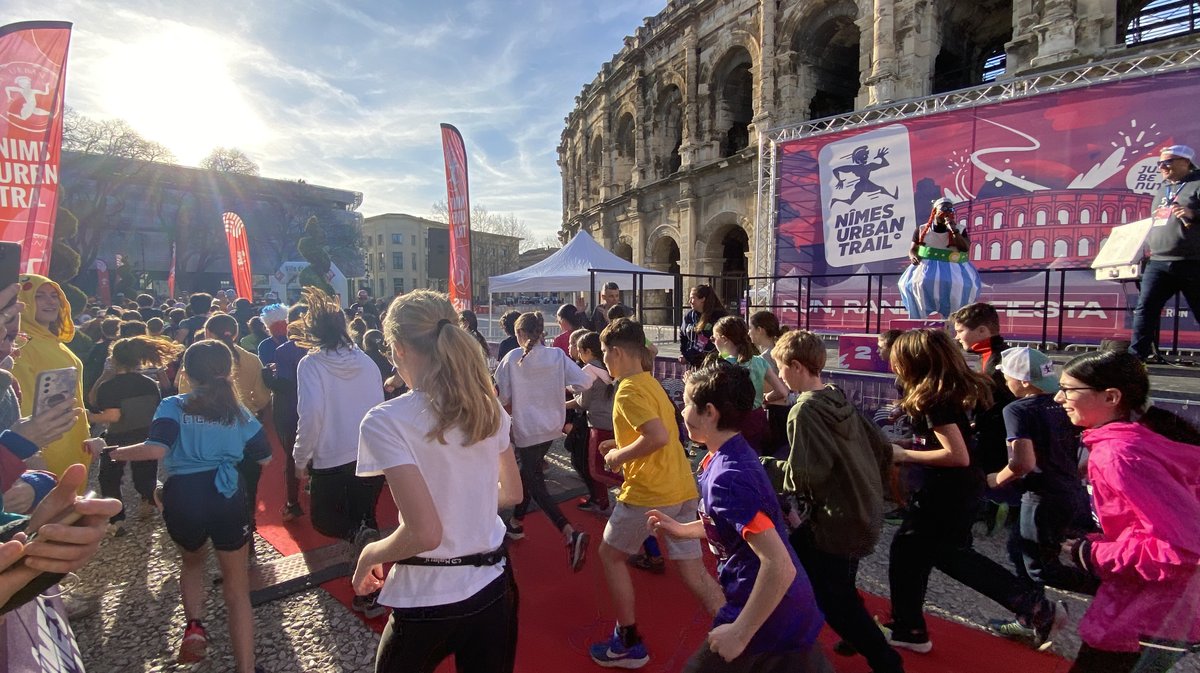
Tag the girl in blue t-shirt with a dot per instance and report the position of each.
(201, 436)
(732, 338)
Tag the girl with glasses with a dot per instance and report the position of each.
(1142, 465)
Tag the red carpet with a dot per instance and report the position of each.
(562, 612)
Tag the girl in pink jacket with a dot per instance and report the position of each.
(1144, 467)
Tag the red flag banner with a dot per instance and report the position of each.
(239, 254)
(33, 64)
(458, 206)
(171, 275)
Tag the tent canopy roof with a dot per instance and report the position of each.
(568, 271)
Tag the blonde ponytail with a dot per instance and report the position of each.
(455, 379)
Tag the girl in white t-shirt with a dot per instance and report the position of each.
(444, 449)
(531, 382)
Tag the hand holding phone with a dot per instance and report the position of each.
(53, 387)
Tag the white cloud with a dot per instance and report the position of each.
(350, 94)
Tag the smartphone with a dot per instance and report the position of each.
(10, 265)
(54, 386)
(44, 581)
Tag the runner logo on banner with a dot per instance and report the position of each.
(33, 63)
(867, 197)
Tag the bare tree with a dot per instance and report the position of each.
(98, 203)
(505, 224)
(110, 137)
(229, 160)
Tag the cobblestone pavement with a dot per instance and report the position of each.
(140, 622)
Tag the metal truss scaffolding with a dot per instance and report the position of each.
(1099, 72)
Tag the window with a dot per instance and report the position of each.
(1016, 250)
(1063, 216)
(397, 286)
(978, 254)
(1085, 216)
(1161, 20)
(1060, 248)
(398, 239)
(994, 250)
(414, 261)
(380, 241)
(1083, 247)
(381, 266)
(1041, 218)
(1037, 250)
(1020, 219)
(998, 219)
(414, 239)
(397, 261)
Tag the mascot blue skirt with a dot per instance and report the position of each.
(942, 283)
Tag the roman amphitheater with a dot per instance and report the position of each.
(660, 159)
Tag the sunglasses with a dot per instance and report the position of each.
(1167, 162)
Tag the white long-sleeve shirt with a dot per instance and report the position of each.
(335, 390)
(535, 390)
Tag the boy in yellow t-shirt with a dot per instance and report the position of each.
(657, 476)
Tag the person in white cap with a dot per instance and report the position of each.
(1043, 465)
(1174, 241)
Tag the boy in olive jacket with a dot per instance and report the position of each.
(839, 464)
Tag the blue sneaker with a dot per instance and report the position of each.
(613, 654)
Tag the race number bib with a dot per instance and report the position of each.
(1161, 215)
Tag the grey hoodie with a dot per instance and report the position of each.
(840, 460)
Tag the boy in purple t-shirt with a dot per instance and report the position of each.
(775, 628)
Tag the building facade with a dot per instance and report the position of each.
(406, 252)
(140, 209)
(659, 156)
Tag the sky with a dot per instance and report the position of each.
(350, 94)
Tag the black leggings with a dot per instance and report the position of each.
(533, 483)
(1148, 660)
(342, 502)
(112, 473)
(479, 632)
(936, 533)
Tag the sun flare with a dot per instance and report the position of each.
(177, 87)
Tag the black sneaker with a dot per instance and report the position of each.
(843, 648)
(577, 550)
(916, 641)
(1047, 623)
(513, 530)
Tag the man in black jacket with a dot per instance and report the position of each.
(1174, 241)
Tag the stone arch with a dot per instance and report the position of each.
(624, 148)
(595, 165)
(733, 85)
(663, 244)
(623, 248)
(667, 131)
(971, 33)
(826, 41)
(726, 247)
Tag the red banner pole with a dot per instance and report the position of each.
(459, 210)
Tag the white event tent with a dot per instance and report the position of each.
(568, 270)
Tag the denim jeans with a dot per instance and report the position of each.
(1043, 525)
(1160, 282)
(1148, 660)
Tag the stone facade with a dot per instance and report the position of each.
(659, 156)
(402, 255)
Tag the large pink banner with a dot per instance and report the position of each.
(458, 205)
(1039, 183)
(33, 66)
